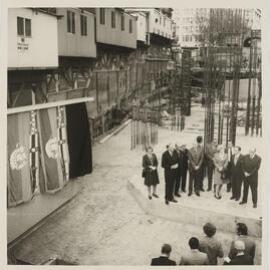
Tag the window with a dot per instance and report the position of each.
(102, 16)
(24, 27)
(20, 26)
(130, 26)
(122, 22)
(83, 25)
(70, 22)
(73, 22)
(28, 27)
(113, 19)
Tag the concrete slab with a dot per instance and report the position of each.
(198, 210)
(26, 217)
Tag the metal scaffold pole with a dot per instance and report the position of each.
(249, 88)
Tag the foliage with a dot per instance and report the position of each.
(221, 26)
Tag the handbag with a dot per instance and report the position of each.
(223, 175)
(143, 173)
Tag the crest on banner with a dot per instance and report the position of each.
(52, 148)
(18, 158)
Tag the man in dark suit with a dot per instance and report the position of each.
(178, 173)
(183, 166)
(195, 157)
(169, 162)
(251, 165)
(236, 173)
(164, 258)
(229, 151)
(241, 258)
(210, 151)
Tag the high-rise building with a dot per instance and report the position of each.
(190, 20)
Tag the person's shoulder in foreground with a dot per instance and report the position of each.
(164, 258)
(194, 256)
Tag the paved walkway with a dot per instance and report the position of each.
(104, 225)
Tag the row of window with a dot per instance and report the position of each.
(157, 31)
(102, 20)
(159, 20)
(189, 38)
(24, 24)
(190, 28)
(71, 23)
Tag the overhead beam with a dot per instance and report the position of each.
(49, 105)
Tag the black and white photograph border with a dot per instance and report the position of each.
(136, 135)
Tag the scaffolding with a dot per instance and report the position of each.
(223, 68)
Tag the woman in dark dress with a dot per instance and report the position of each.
(150, 173)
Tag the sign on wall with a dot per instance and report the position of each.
(22, 45)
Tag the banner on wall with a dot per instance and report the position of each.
(46, 147)
(19, 185)
(38, 158)
(54, 153)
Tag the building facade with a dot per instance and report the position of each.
(28, 39)
(76, 33)
(115, 27)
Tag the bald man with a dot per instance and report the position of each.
(250, 166)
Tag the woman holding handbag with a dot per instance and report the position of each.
(150, 173)
(221, 162)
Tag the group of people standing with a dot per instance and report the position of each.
(222, 166)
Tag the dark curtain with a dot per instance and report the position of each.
(79, 140)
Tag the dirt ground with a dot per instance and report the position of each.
(104, 225)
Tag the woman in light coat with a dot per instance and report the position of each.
(219, 176)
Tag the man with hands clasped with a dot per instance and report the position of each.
(169, 162)
(251, 165)
(195, 157)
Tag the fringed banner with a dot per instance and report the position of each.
(52, 161)
(34, 155)
(63, 143)
(19, 172)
